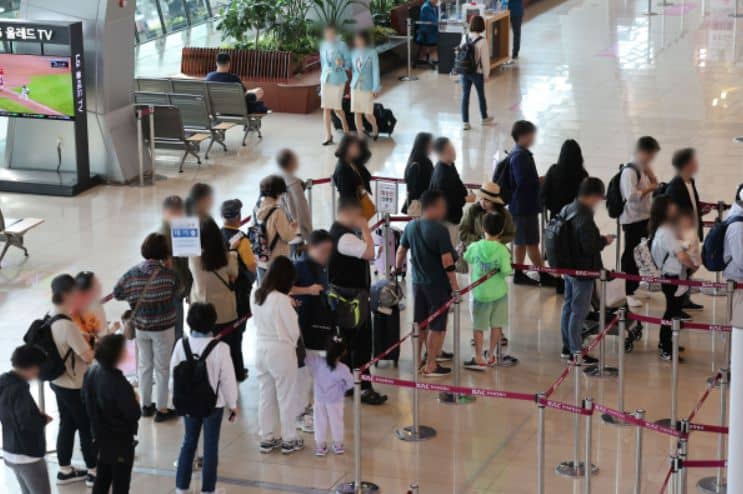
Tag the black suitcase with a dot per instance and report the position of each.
(386, 120)
(386, 333)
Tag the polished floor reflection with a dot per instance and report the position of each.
(599, 72)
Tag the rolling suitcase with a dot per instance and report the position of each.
(386, 120)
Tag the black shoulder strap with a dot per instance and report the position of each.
(187, 349)
(209, 347)
(275, 240)
(224, 282)
(633, 167)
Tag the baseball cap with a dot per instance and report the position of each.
(231, 208)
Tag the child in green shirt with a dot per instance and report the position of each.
(490, 299)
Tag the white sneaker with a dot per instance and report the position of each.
(633, 301)
(466, 126)
(488, 120)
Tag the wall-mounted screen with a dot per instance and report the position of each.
(35, 86)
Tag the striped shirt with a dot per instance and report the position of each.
(156, 311)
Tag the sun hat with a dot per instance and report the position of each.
(491, 192)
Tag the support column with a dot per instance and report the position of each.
(735, 436)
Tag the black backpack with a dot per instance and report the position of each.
(39, 334)
(464, 58)
(713, 249)
(661, 190)
(614, 199)
(502, 176)
(192, 393)
(558, 242)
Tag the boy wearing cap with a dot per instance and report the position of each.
(488, 201)
(236, 240)
(490, 299)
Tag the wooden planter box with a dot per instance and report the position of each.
(290, 86)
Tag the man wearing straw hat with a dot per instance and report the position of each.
(489, 200)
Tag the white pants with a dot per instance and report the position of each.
(276, 364)
(328, 415)
(153, 357)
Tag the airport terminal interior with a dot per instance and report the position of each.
(601, 72)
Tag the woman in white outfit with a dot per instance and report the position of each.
(277, 334)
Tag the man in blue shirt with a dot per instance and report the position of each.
(253, 97)
(524, 205)
(432, 258)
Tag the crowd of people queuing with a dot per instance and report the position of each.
(292, 279)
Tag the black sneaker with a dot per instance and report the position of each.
(587, 359)
(504, 341)
(565, 353)
(268, 446)
(666, 356)
(149, 410)
(89, 480)
(437, 372)
(371, 397)
(289, 447)
(444, 356)
(546, 279)
(684, 316)
(471, 364)
(691, 305)
(74, 475)
(165, 416)
(520, 278)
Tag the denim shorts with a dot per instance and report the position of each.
(488, 315)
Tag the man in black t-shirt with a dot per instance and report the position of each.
(253, 97)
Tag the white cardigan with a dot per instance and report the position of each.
(276, 320)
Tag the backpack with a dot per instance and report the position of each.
(661, 190)
(558, 242)
(646, 265)
(713, 249)
(258, 236)
(39, 334)
(614, 199)
(464, 58)
(502, 176)
(192, 393)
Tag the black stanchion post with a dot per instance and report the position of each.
(388, 256)
(140, 146)
(540, 443)
(415, 432)
(718, 484)
(675, 334)
(152, 139)
(357, 486)
(637, 488)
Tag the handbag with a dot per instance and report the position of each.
(414, 208)
(129, 316)
(368, 208)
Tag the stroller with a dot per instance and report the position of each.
(613, 304)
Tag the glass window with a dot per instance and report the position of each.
(218, 5)
(174, 14)
(9, 8)
(147, 20)
(198, 10)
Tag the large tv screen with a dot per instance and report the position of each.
(35, 86)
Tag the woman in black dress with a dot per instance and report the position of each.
(418, 172)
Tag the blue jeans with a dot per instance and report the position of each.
(467, 81)
(574, 311)
(212, 425)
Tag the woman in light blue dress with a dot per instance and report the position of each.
(335, 61)
(365, 83)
